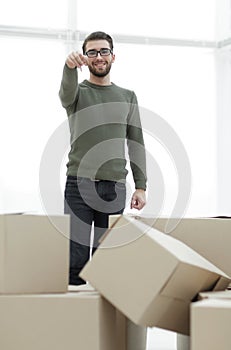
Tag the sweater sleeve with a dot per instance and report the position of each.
(136, 148)
(69, 87)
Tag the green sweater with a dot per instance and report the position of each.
(101, 118)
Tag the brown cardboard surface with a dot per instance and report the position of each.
(215, 295)
(34, 254)
(136, 336)
(129, 335)
(210, 237)
(76, 320)
(149, 276)
(210, 324)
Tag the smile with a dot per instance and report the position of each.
(100, 65)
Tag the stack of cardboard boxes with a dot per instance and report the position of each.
(139, 274)
(36, 310)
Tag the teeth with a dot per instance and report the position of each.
(100, 64)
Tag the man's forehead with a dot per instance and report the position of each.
(97, 44)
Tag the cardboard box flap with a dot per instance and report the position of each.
(186, 288)
(164, 220)
(176, 317)
(169, 313)
(161, 306)
(216, 295)
(178, 248)
(115, 236)
(221, 284)
(194, 225)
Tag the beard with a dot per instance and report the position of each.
(100, 73)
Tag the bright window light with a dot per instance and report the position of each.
(164, 18)
(42, 13)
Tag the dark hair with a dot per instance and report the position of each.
(97, 36)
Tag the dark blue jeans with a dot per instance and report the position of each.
(88, 201)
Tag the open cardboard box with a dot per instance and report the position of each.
(149, 276)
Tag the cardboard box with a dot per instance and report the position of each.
(76, 320)
(149, 276)
(130, 335)
(34, 254)
(183, 342)
(136, 336)
(210, 324)
(210, 237)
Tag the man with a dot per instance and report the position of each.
(101, 117)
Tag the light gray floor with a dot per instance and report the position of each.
(159, 339)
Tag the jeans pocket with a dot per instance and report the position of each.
(120, 186)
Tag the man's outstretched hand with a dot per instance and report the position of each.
(76, 59)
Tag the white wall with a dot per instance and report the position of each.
(176, 83)
(223, 107)
(223, 68)
(30, 111)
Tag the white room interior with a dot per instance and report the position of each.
(174, 54)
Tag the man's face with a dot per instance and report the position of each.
(99, 66)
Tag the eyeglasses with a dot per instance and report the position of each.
(102, 52)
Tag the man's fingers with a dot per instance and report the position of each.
(135, 203)
(75, 60)
(84, 59)
(138, 200)
(75, 57)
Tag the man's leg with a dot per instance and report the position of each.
(81, 221)
(111, 192)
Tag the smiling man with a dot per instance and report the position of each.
(102, 116)
(102, 65)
